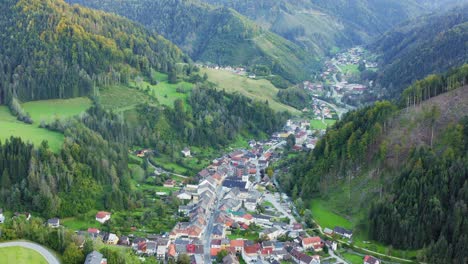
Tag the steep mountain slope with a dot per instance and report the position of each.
(52, 50)
(217, 35)
(324, 25)
(430, 44)
(411, 162)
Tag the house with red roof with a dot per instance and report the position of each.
(312, 242)
(170, 183)
(251, 250)
(371, 260)
(103, 217)
(237, 244)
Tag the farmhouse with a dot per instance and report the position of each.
(170, 183)
(2, 217)
(186, 152)
(371, 260)
(343, 232)
(53, 222)
(103, 217)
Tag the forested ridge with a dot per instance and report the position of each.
(216, 35)
(430, 44)
(325, 25)
(416, 154)
(53, 50)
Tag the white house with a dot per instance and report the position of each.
(53, 222)
(186, 152)
(103, 217)
(2, 217)
(113, 239)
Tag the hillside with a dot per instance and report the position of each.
(52, 50)
(215, 35)
(324, 26)
(260, 90)
(385, 169)
(430, 44)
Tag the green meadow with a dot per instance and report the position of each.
(9, 126)
(49, 110)
(319, 124)
(260, 90)
(166, 93)
(21, 255)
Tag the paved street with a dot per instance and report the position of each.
(51, 259)
(209, 227)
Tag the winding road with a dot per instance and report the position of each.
(51, 259)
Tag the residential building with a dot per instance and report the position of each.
(312, 242)
(343, 232)
(186, 152)
(2, 217)
(103, 217)
(230, 259)
(371, 260)
(53, 222)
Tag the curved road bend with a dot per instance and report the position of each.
(51, 259)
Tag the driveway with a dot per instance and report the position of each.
(51, 259)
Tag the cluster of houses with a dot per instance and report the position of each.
(351, 56)
(304, 136)
(317, 89)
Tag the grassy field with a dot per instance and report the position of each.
(74, 223)
(121, 98)
(326, 218)
(349, 68)
(352, 258)
(20, 255)
(260, 90)
(318, 124)
(32, 133)
(165, 92)
(49, 110)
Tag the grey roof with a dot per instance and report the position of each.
(53, 221)
(341, 230)
(93, 258)
(181, 249)
(234, 183)
(218, 230)
(261, 217)
(267, 244)
(151, 245)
